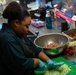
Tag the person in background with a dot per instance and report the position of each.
(73, 6)
(18, 55)
(70, 5)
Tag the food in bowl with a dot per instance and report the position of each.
(58, 38)
(51, 45)
(72, 35)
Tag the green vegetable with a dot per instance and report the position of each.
(62, 70)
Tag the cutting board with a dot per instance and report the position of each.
(60, 59)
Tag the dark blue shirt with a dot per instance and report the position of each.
(16, 54)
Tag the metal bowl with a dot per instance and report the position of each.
(58, 38)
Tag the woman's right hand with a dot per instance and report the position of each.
(41, 65)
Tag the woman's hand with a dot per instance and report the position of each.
(42, 65)
(39, 63)
(53, 63)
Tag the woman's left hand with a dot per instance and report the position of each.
(53, 63)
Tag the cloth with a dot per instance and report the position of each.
(13, 57)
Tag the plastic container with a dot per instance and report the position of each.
(64, 26)
(48, 20)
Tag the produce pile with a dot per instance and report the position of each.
(62, 70)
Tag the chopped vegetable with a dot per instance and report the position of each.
(62, 70)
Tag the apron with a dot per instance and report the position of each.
(28, 49)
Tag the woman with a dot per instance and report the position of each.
(18, 55)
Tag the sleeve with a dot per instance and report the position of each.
(37, 50)
(15, 56)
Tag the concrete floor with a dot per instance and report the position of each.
(44, 30)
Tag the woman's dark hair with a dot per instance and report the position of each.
(15, 11)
